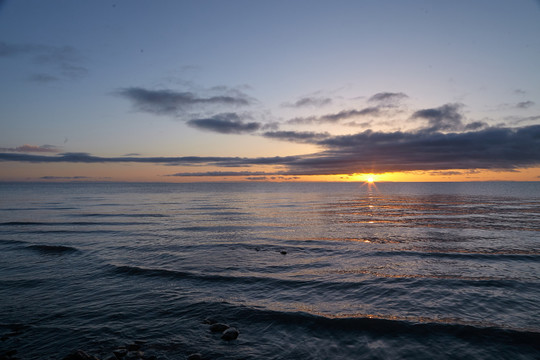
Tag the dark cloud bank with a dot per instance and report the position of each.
(496, 148)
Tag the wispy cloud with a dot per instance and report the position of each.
(63, 61)
(170, 102)
(309, 102)
(525, 104)
(43, 78)
(336, 117)
(33, 149)
(65, 178)
(227, 123)
(388, 98)
(220, 173)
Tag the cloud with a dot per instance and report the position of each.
(388, 97)
(227, 123)
(296, 136)
(444, 118)
(309, 102)
(33, 148)
(525, 104)
(221, 173)
(519, 119)
(43, 78)
(64, 61)
(64, 177)
(491, 148)
(495, 148)
(91, 159)
(169, 102)
(337, 117)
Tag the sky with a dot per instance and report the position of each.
(183, 91)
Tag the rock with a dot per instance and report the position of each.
(120, 352)
(209, 321)
(230, 334)
(283, 252)
(218, 327)
(195, 356)
(80, 355)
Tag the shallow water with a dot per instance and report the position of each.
(417, 271)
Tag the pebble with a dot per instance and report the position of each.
(230, 334)
(283, 252)
(209, 321)
(120, 352)
(218, 327)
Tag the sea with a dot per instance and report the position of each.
(301, 270)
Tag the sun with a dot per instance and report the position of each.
(370, 180)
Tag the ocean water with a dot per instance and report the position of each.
(302, 270)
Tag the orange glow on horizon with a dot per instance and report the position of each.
(58, 172)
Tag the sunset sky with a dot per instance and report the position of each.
(180, 91)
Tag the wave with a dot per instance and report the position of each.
(376, 325)
(222, 228)
(372, 279)
(53, 249)
(525, 256)
(245, 280)
(13, 242)
(91, 215)
(70, 223)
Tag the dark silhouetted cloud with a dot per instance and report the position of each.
(65, 177)
(476, 125)
(491, 148)
(525, 104)
(228, 123)
(296, 136)
(169, 102)
(33, 148)
(220, 173)
(88, 158)
(444, 118)
(309, 102)
(495, 148)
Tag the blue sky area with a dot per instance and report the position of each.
(190, 90)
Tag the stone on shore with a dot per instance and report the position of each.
(218, 327)
(230, 334)
(209, 321)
